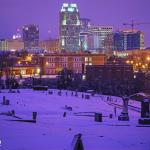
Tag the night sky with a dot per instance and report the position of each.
(45, 13)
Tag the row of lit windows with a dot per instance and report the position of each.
(77, 65)
(50, 71)
(65, 59)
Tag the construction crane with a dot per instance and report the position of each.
(132, 24)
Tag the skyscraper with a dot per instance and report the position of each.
(30, 36)
(85, 35)
(70, 27)
(102, 38)
(128, 40)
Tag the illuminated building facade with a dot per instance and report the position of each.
(30, 36)
(128, 40)
(3, 44)
(54, 63)
(100, 38)
(140, 59)
(85, 35)
(70, 27)
(15, 44)
(11, 45)
(17, 36)
(31, 65)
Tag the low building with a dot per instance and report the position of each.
(109, 72)
(26, 70)
(54, 63)
(31, 65)
(140, 59)
(15, 44)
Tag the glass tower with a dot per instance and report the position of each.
(102, 39)
(70, 27)
(85, 35)
(128, 40)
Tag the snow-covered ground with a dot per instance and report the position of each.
(52, 131)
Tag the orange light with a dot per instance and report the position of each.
(131, 62)
(136, 64)
(29, 58)
(148, 58)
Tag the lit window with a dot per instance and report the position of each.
(70, 9)
(64, 22)
(65, 5)
(86, 58)
(63, 42)
(73, 5)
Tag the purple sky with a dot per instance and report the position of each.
(45, 13)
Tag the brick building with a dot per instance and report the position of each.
(76, 62)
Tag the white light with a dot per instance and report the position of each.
(63, 42)
(78, 22)
(65, 5)
(14, 37)
(63, 10)
(73, 5)
(64, 22)
(70, 9)
(83, 77)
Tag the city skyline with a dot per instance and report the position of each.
(46, 15)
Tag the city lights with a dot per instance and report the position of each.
(74, 75)
(38, 70)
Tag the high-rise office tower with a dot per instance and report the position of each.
(85, 35)
(102, 38)
(30, 36)
(70, 27)
(128, 40)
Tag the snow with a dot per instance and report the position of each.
(52, 131)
